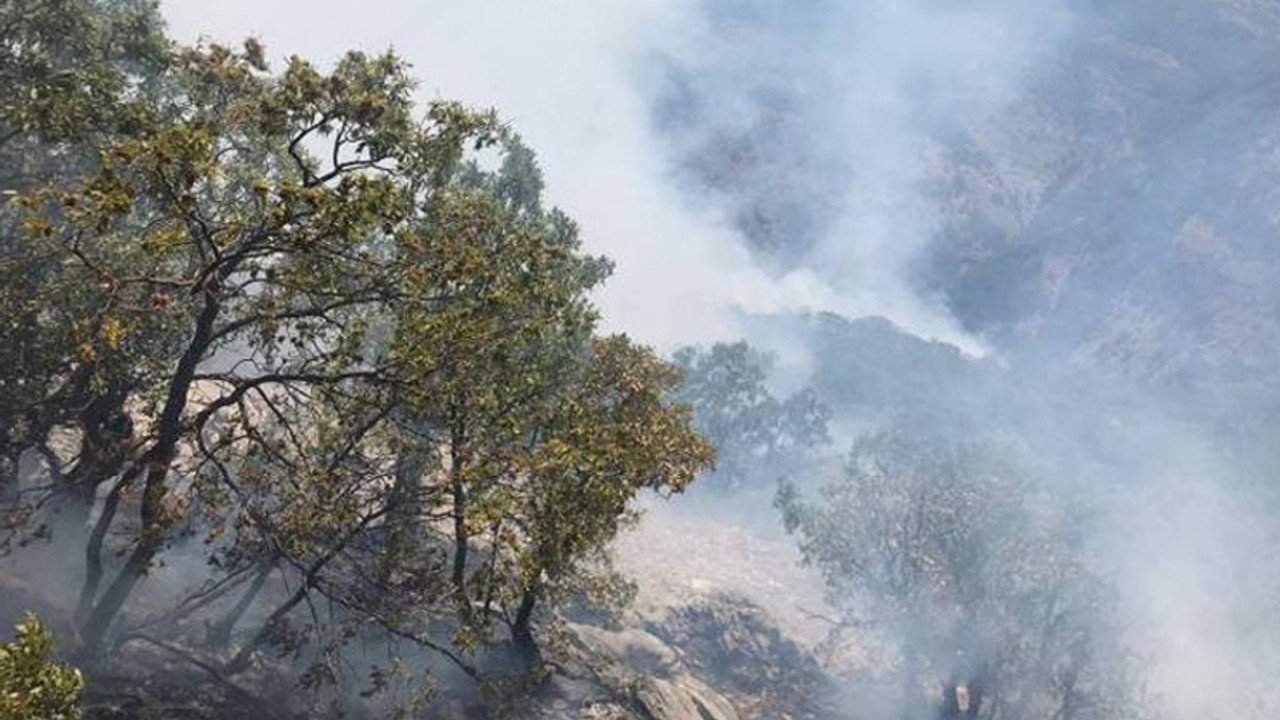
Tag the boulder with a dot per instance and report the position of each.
(683, 698)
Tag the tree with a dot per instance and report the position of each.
(32, 685)
(971, 573)
(613, 434)
(304, 330)
(70, 65)
(75, 73)
(544, 432)
(214, 234)
(757, 436)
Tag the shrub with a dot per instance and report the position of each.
(32, 685)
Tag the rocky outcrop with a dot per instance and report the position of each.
(682, 699)
(623, 673)
(717, 659)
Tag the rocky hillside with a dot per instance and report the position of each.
(1126, 213)
(1118, 207)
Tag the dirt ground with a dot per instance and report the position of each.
(695, 547)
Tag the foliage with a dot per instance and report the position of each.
(32, 685)
(290, 325)
(76, 73)
(970, 572)
(70, 64)
(758, 437)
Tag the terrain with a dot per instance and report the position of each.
(1115, 209)
(1108, 233)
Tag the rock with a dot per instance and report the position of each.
(683, 699)
(576, 692)
(636, 648)
(625, 673)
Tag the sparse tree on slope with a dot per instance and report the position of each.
(758, 437)
(969, 572)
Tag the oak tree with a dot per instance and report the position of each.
(287, 323)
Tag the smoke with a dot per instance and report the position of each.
(593, 87)
(820, 125)
(563, 72)
(1204, 591)
(758, 157)
(1193, 552)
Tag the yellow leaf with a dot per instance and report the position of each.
(112, 332)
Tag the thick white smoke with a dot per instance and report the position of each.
(570, 76)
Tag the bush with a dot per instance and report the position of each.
(32, 685)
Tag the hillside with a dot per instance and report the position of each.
(313, 404)
(1116, 208)
(1123, 214)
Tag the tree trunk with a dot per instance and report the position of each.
(977, 692)
(158, 463)
(404, 510)
(240, 662)
(460, 536)
(94, 629)
(522, 626)
(950, 709)
(8, 478)
(93, 553)
(309, 580)
(220, 633)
